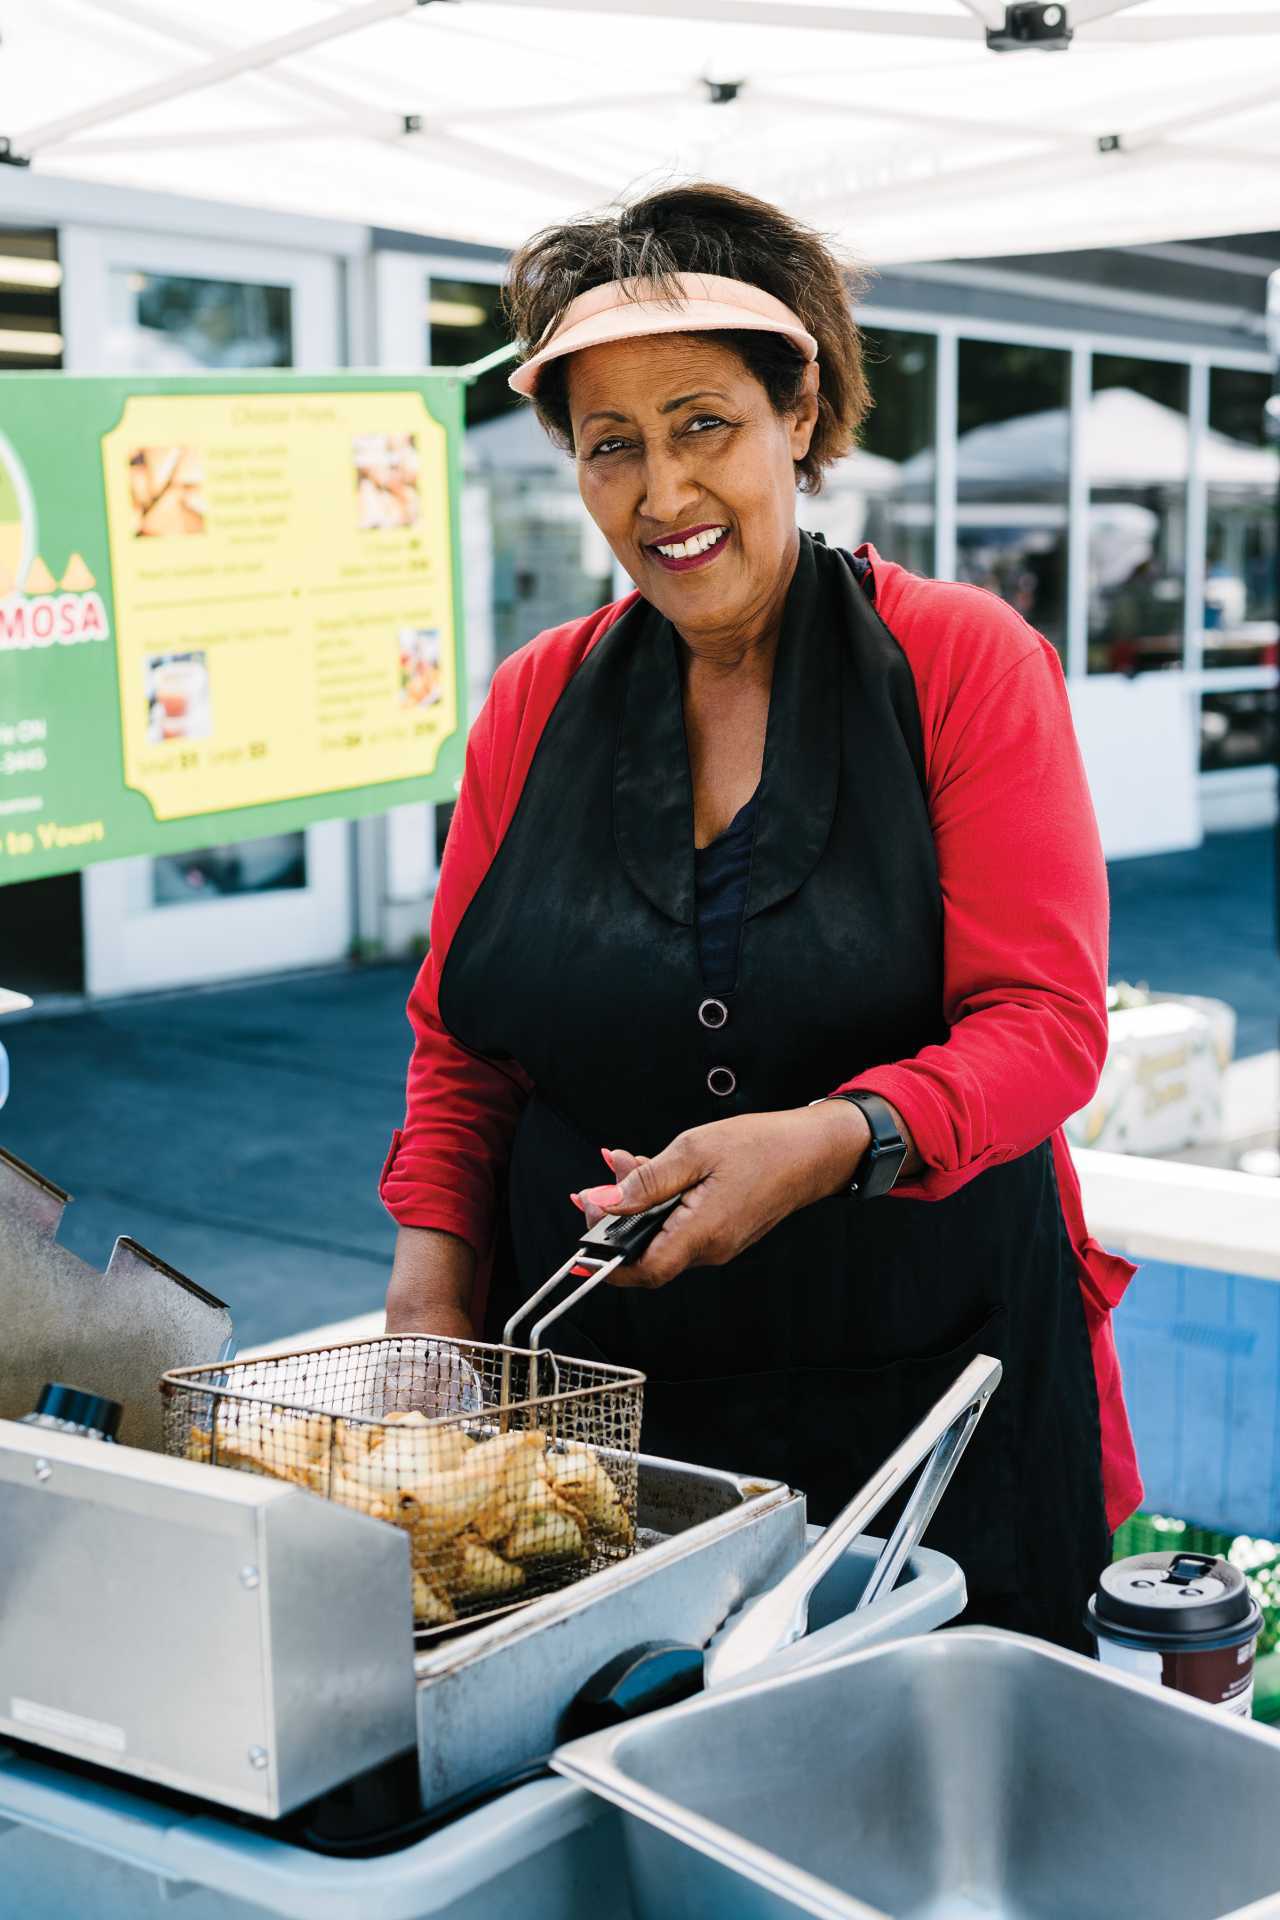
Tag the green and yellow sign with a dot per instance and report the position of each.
(229, 606)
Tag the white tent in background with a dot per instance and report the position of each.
(897, 127)
(1130, 442)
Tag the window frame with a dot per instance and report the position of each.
(948, 331)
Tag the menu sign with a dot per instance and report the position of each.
(229, 606)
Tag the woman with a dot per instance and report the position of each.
(778, 883)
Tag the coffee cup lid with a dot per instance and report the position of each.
(1179, 1593)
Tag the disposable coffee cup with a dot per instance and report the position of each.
(1181, 1620)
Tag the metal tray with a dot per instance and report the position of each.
(961, 1774)
(494, 1699)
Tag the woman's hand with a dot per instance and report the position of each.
(737, 1179)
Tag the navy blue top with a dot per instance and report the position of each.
(720, 875)
(722, 871)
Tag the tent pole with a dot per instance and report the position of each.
(1024, 168)
(136, 13)
(383, 128)
(1254, 100)
(1181, 26)
(149, 19)
(505, 167)
(281, 133)
(1083, 13)
(447, 118)
(778, 13)
(927, 122)
(212, 73)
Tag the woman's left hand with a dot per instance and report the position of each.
(737, 1179)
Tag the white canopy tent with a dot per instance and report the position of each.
(896, 127)
(1129, 442)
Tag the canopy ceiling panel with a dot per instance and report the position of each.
(897, 128)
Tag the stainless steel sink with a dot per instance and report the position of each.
(967, 1773)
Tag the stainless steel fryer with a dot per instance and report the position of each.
(238, 1639)
(494, 1699)
(219, 1633)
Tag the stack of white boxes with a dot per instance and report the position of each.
(1162, 1086)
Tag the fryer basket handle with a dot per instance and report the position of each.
(615, 1240)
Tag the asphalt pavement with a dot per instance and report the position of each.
(238, 1132)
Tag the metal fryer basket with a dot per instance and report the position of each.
(512, 1471)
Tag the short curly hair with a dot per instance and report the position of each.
(705, 228)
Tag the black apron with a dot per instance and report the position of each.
(814, 1352)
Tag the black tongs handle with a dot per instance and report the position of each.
(613, 1242)
(626, 1234)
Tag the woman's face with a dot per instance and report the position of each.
(676, 441)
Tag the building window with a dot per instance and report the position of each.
(1137, 456)
(1013, 451)
(1239, 625)
(464, 323)
(30, 276)
(276, 863)
(1238, 730)
(171, 323)
(550, 561)
(883, 492)
(1242, 473)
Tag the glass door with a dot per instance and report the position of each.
(1240, 624)
(153, 304)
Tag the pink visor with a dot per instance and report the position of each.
(614, 312)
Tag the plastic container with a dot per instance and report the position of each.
(1200, 1354)
(929, 1593)
(1181, 1620)
(67, 1409)
(80, 1849)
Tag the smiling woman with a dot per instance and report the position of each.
(777, 884)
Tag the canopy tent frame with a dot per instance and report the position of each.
(263, 63)
(948, 158)
(425, 131)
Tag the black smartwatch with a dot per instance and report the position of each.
(882, 1162)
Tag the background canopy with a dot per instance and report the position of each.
(897, 127)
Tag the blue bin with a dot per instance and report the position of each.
(1200, 1353)
(74, 1847)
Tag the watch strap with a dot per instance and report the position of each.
(881, 1164)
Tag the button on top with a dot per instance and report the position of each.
(713, 1013)
(722, 1081)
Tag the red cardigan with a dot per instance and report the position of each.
(1024, 894)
